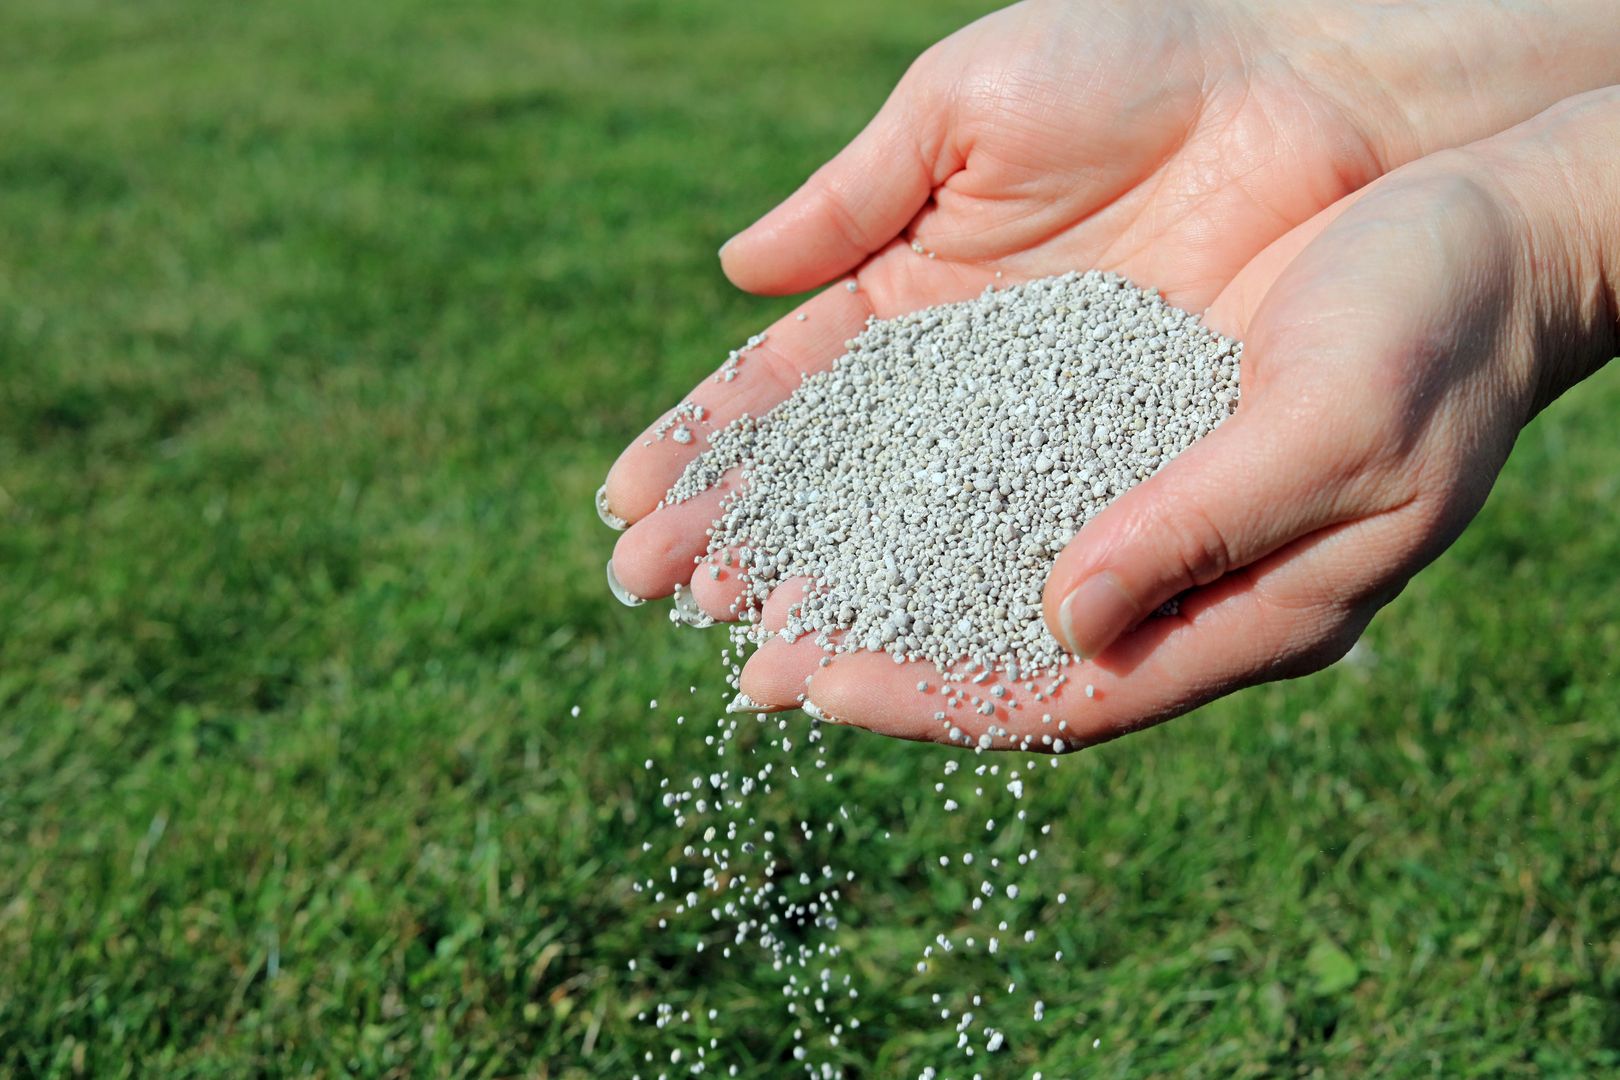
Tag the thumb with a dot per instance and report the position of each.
(1245, 490)
(852, 206)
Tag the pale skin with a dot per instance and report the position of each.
(1410, 214)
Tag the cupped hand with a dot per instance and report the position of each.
(1172, 146)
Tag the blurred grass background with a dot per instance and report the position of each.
(319, 325)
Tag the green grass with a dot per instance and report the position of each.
(320, 323)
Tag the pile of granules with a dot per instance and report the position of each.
(925, 483)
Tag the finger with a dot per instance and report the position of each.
(895, 282)
(1261, 479)
(659, 552)
(853, 205)
(718, 587)
(776, 673)
(778, 683)
(806, 340)
(779, 605)
(1294, 612)
(912, 700)
(722, 592)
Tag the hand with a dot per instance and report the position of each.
(1172, 148)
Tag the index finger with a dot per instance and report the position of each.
(751, 381)
(895, 281)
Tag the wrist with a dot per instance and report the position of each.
(1560, 173)
(1424, 76)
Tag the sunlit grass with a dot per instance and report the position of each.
(319, 324)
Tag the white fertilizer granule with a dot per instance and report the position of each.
(927, 481)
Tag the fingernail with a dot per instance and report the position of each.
(609, 518)
(1095, 613)
(723, 247)
(620, 593)
(686, 610)
(814, 712)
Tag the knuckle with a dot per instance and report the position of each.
(1334, 633)
(1199, 545)
(1455, 189)
(782, 375)
(846, 222)
(1361, 449)
(1333, 646)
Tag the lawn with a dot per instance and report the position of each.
(320, 324)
